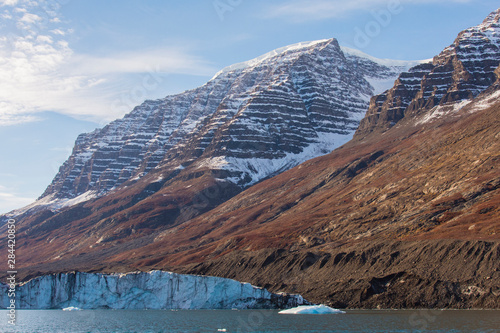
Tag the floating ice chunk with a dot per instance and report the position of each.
(312, 309)
(72, 308)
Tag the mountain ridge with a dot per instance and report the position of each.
(472, 60)
(175, 131)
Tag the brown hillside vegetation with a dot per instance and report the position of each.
(407, 218)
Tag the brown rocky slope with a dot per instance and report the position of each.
(410, 222)
(407, 219)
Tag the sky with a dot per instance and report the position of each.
(70, 66)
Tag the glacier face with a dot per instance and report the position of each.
(141, 290)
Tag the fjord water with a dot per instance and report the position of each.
(101, 321)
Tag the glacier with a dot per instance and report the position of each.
(144, 290)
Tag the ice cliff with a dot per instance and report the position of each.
(140, 290)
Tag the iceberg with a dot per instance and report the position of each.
(72, 308)
(312, 309)
(143, 290)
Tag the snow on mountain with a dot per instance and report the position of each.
(152, 290)
(266, 56)
(391, 63)
(458, 74)
(381, 82)
(446, 110)
(251, 121)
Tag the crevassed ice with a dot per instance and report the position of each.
(141, 290)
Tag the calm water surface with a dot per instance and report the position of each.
(100, 321)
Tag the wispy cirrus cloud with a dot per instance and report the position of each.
(8, 2)
(166, 60)
(9, 199)
(304, 10)
(41, 72)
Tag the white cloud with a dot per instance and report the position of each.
(58, 32)
(167, 60)
(305, 10)
(9, 119)
(40, 72)
(8, 201)
(8, 2)
(44, 39)
(30, 18)
(45, 75)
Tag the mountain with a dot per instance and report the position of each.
(195, 150)
(406, 214)
(459, 73)
(251, 121)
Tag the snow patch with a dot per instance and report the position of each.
(52, 203)
(158, 179)
(477, 104)
(64, 203)
(260, 168)
(442, 110)
(381, 85)
(486, 102)
(385, 62)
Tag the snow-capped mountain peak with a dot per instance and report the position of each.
(251, 121)
(297, 47)
(458, 74)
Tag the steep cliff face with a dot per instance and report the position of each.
(461, 72)
(252, 120)
(152, 290)
(173, 159)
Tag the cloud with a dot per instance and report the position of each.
(41, 72)
(8, 2)
(9, 200)
(46, 75)
(166, 60)
(304, 10)
(9, 119)
(30, 18)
